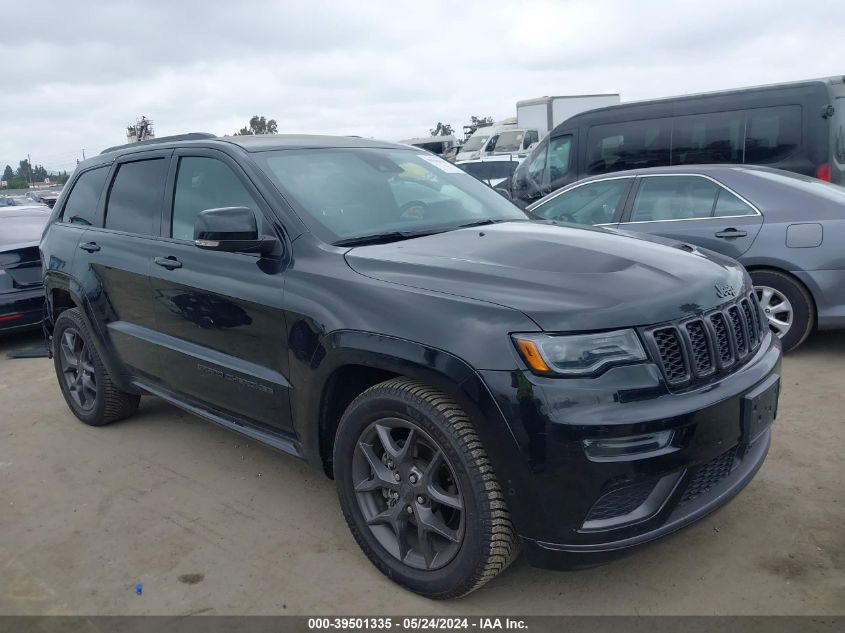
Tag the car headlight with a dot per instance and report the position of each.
(579, 354)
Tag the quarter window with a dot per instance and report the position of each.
(674, 198)
(81, 205)
(729, 204)
(593, 203)
(135, 196)
(205, 183)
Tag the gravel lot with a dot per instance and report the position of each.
(212, 523)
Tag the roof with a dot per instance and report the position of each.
(267, 142)
(680, 169)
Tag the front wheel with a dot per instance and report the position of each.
(788, 307)
(418, 491)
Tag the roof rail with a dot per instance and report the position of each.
(192, 136)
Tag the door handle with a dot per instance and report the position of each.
(731, 233)
(91, 247)
(168, 262)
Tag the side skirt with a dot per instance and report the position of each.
(279, 441)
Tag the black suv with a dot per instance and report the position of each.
(474, 381)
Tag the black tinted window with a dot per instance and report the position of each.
(205, 183)
(708, 138)
(772, 133)
(81, 206)
(135, 196)
(531, 137)
(629, 145)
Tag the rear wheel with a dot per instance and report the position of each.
(418, 491)
(83, 379)
(788, 307)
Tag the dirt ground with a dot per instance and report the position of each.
(213, 523)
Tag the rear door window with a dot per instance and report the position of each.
(716, 137)
(771, 134)
(628, 145)
(134, 202)
(674, 198)
(81, 205)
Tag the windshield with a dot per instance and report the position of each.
(474, 143)
(510, 141)
(354, 193)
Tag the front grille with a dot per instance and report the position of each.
(620, 502)
(709, 475)
(702, 360)
(692, 350)
(669, 347)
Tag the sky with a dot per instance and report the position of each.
(75, 74)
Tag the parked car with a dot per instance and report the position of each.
(474, 381)
(475, 145)
(18, 201)
(798, 127)
(517, 142)
(494, 170)
(21, 292)
(47, 198)
(788, 230)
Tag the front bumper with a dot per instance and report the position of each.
(572, 510)
(21, 310)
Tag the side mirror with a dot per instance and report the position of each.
(232, 230)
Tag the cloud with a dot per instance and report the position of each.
(79, 73)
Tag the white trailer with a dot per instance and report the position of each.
(544, 113)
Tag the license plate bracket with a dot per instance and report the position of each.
(760, 408)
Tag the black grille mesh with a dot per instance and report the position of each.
(723, 343)
(700, 349)
(711, 344)
(620, 502)
(669, 348)
(709, 475)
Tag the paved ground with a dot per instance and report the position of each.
(212, 523)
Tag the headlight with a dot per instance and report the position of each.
(579, 354)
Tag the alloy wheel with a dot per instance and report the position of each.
(408, 493)
(777, 308)
(78, 369)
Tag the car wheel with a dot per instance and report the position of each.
(788, 307)
(84, 381)
(418, 491)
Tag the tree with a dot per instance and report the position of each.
(442, 129)
(24, 171)
(8, 174)
(478, 121)
(258, 125)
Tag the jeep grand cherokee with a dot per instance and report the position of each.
(474, 381)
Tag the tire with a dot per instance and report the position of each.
(487, 541)
(772, 289)
(100, 402)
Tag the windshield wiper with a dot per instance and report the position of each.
(383, 238)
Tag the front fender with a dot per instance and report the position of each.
(430, 365)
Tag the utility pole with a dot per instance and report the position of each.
(83, 153)
(29, 161)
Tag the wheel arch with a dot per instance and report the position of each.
(768, 268)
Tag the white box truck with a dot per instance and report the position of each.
(544, 113)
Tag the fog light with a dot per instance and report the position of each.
(638, 446)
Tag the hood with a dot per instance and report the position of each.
(562, 277)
